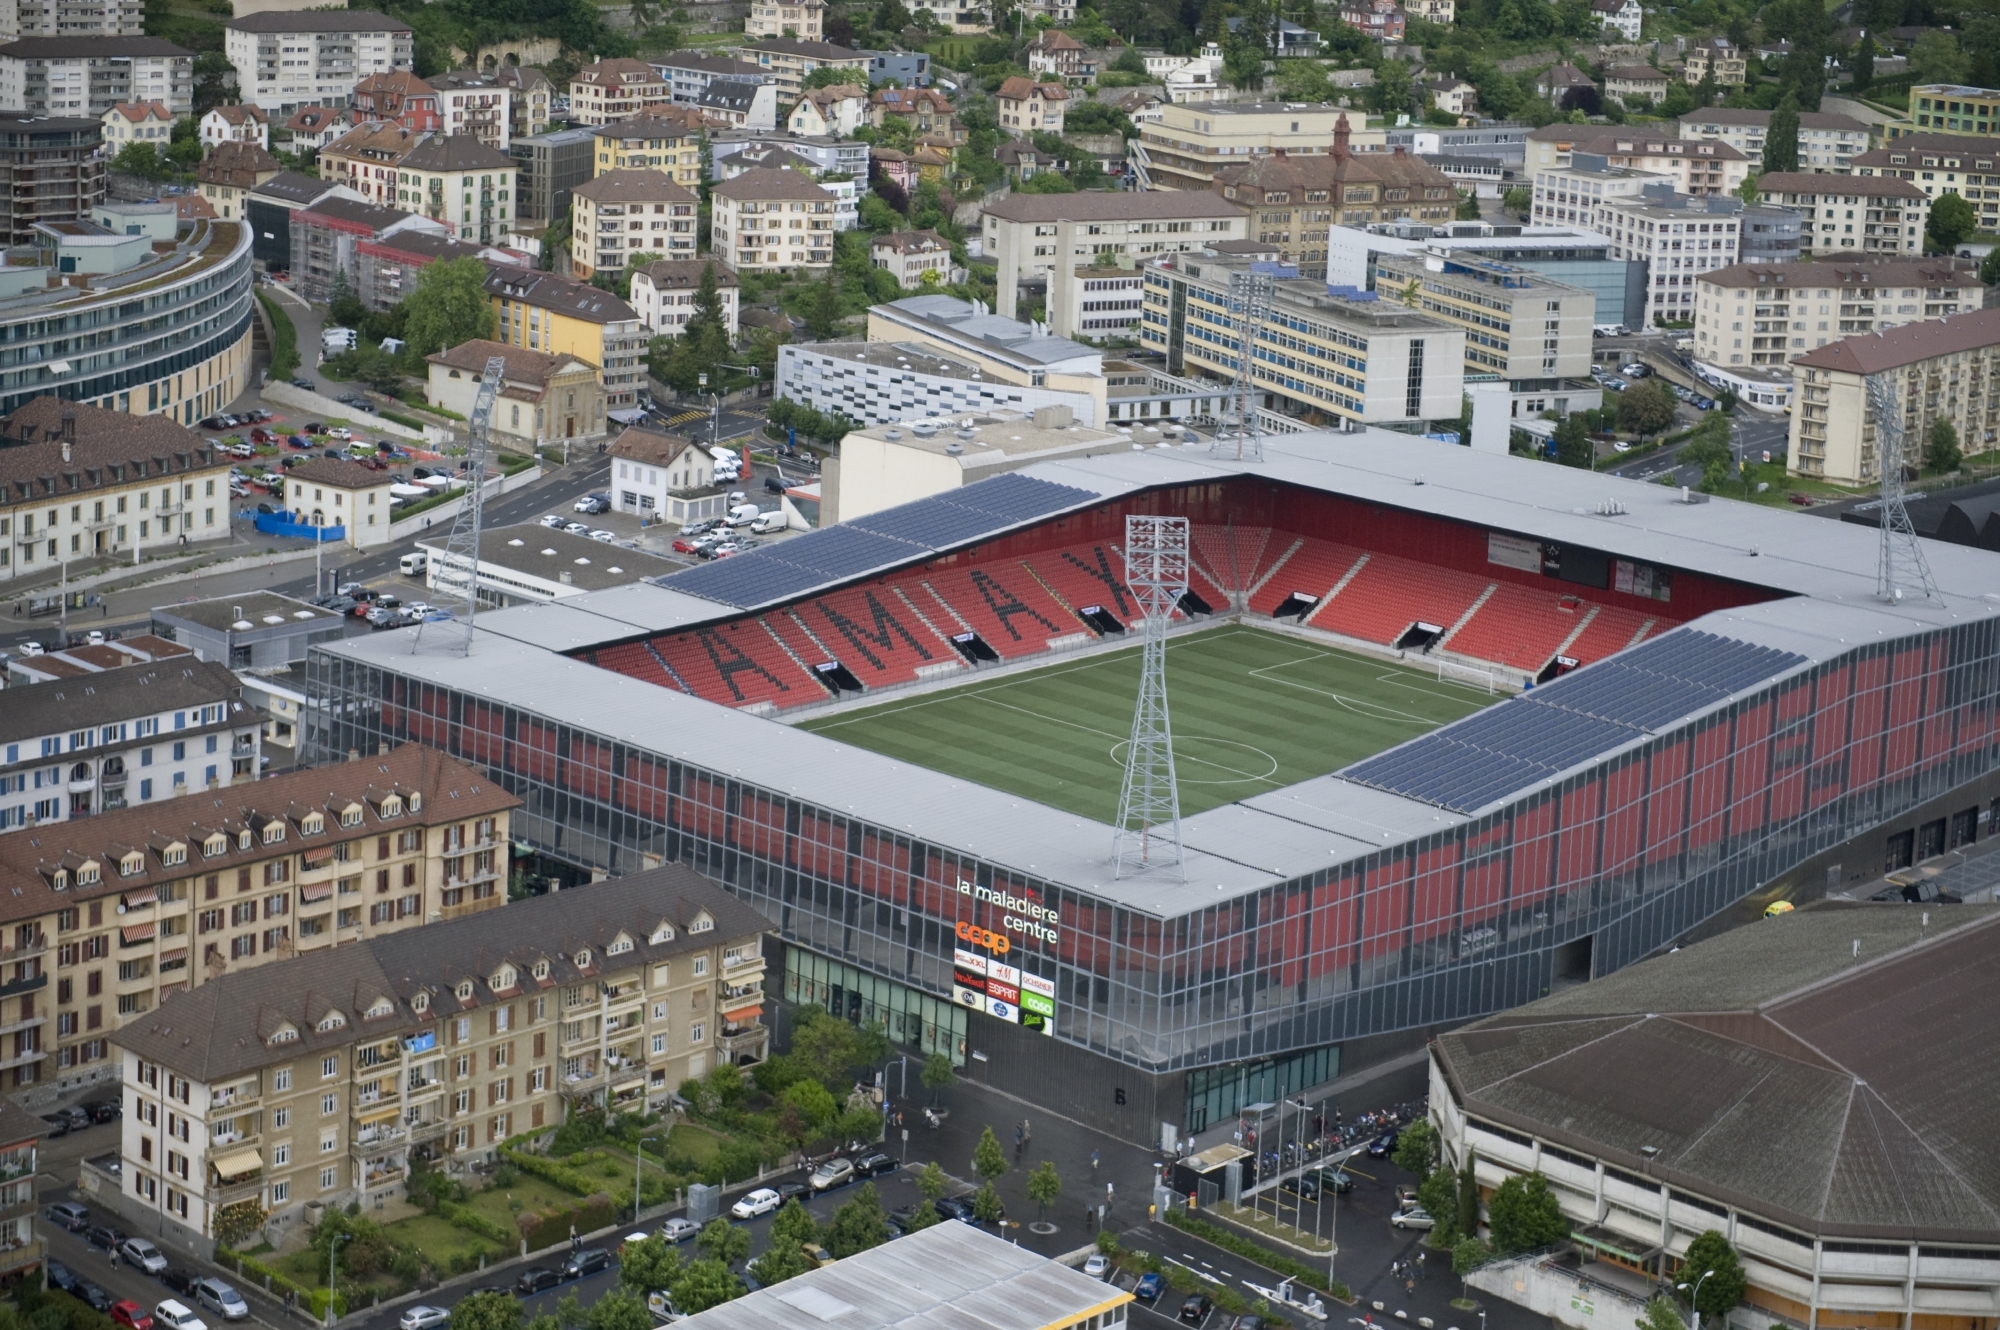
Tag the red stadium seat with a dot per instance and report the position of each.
(736, 665)
(1002, 602)
(1519, 626)
(1390, 593)
(1234, 557)
(1313, 571)
(632, 659)
(1086, 575)
(874, 634)
(1613, 630)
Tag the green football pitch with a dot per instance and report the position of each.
(1252, 711)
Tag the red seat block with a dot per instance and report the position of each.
(1002, 603)
(1519, 626)
(736, 665)
(873, 633)
(1087, 575)
(1390, 593)
(1314, 570)
(1612, 631)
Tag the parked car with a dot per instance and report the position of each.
(96, 1297)
(682, 544)
(131, 1315)
(875, 1164)
(760, 1202)
(586, 1262)
(306, 384)
(553, 522)
(77, 1116)
(833, 1173)
(535, 1279)
(172, 1315)
(69, 1215)
(221, 1299)
(817, 1254)
(143, 1254)
(1149, 1287)
(593, 504)
(1098, 1265)
(179, 1281)
(576, 528)
(679, 1229)
(1406, 1196)
(257, 415)
(902, 1219)
(788, 1190)
(1196, 1308)
(104, 1237)
(955, 1207)
(423, 1318)
(1340, 1183)
(1414, 1217)
(604, 537)
(62, 1277)
(1384, 1145)
(1305, 1188)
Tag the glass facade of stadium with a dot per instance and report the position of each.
(1196, 1014)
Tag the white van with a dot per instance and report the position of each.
(337, 339)
(413, 564)
(743, 514)
(767, 523)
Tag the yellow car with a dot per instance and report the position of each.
(1776, 908)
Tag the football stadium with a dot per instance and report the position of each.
(1453, 731)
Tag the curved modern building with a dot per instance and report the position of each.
(1728, 714)
(150, 327)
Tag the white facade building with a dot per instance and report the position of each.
(313, 57)
(87, 76)
(663, 294)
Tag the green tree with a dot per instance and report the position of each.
(1936, 58)
(858, 1225)
(1391, 93)
(1646, 407)
(569, 1310)
(1573, 446)
(1989, 267)
(1524, 1215)
(1130, 62)
(705, 1283)
(1660, 1314)
(486, 1311)
(1438, 1195)
(1781, 140)
(932, 1182)
(554, 241)
(720, 1240)
(1864, 63)
(620, 1309)
(142, 159)
(938, 1075)
(1468, 1254)
(648, 1265)
(793, 1226)
(989, 1161)
(1517, 199)
(1044, 1185)
(1722, 1289)
(1468, 208)
(1417, 1148)
(1301, 81)
(808, 1108)
(781, 1261)
(448, 307)
(1243, 65)
(1047, 182)
(890, 16)
(831, 1048)
(1941, 450)
(1468, 1196)
(1952, 221)
(1709, 449)
(986, 1205)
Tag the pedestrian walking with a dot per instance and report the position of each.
(1410, 1285)
(1420, 1264)
(1093, 1161)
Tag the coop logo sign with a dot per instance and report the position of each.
(1020, 914)
(997, 943)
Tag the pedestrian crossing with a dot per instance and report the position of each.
(686, 416)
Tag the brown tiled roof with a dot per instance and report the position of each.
(908, 101)
(628, 185)
(455, 152)
(685, 274)
(1099, 206)
(1055, 39)
(1800, 182)
(760, 185)
(317, 20)
(823, 51)
(339, 473)
(579, 300)
(1020, 88)
(376, 140)
(1907, 345)
(617, 72)
(911, 242)
(239, 164)
(522, 78)
(1846, 271)
(313, 119)
(1328, 171)
(662, 122)
(1635, 74)
(450, 791)
(109, 448)
(137, 111)
(103, 47)
(1979, 152)
(117, 690)
(523, 365)
(650, 446)
(242, 115)
(223, 1028)
(1743, 115)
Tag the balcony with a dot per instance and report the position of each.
(460, 911)
(746, 1039)
(233, 1098)
(242, 1189)
(380, 1134)
(28, 984)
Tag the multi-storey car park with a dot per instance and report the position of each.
(1727, 714)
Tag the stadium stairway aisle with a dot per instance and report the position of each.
(1613, 630)
(1391, 593)
(1520, 626)
(1232, 557)
(1315, 570)
(632, 658)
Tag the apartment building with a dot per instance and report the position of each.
(235, 124)
(837, 111)
(319, 1084)
(87, 76)
(545, 398)
(562, 316)
(1320, 355)
(911, 256)
(22, 1250)
(52, 169)
(1851, 213)
(129, 907)
(689, 72)
(1625, 17)
(286, 60)
(668, 142)
(1634, 85)
(787, 60)
(1952, 108)
(137, 122)
(481, 105)
(1519, 324)
(1717, 58)
(397, 95)
(231, 173)
(1765, 314)
(1030, 234)
(623, 214)
(454, 179)
(1189, 144)
(1294, 201)
(532, 98)
(804, 19)
(551, 166)
(1828, 143)
(73, 18)
(1677, 238)
(1027, 108)
(1938, 164)
(772, 220)
(663, 294)
(1941, 369)
(78, 480)
(1696, 166)
(740, 104)
(119, 735)
(616, 89)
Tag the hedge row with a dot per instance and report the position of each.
(562, 1175)
(250, 1266)
(1236, 1244)
(469, 1219)
(284, 339)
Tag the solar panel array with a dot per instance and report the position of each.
(803, 564)
(1505, 749)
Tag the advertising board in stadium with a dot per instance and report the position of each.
(1003, 991)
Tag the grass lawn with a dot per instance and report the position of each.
(439, 1240)
(1252, 711)
(532, 1192)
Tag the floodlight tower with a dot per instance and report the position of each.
(1250, 295)
(1148, 832)
(1902, 568)
(457, 574)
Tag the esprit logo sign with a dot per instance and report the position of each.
(997, 943)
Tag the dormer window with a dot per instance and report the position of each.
(421, 1002)
(702, 924)
(664, 933)
(284, 1034)
(131, 864)
(88, 875)
(215, 845)
(243, 839)
(583, 959)
(60, 879)
(380, 1008)
(619, 946)
(174, 855)
(333, 1020)
(392, 806)
(351, 817)
(312, 824)
(416, 802)
(464, 990)
(502, 980)
(274, 832)
(541, 970)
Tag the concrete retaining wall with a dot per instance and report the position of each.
(317, 404)
(1561, 1295)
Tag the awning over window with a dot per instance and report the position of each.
(368, 1115)
(318, 854)
(237, 1163)
(741, 1014)
(316, 891)
(132, 933)
(139, 900)
(177, 954)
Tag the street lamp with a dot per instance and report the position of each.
(1694, 1293)
(638, 1160)
(332, 1250)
